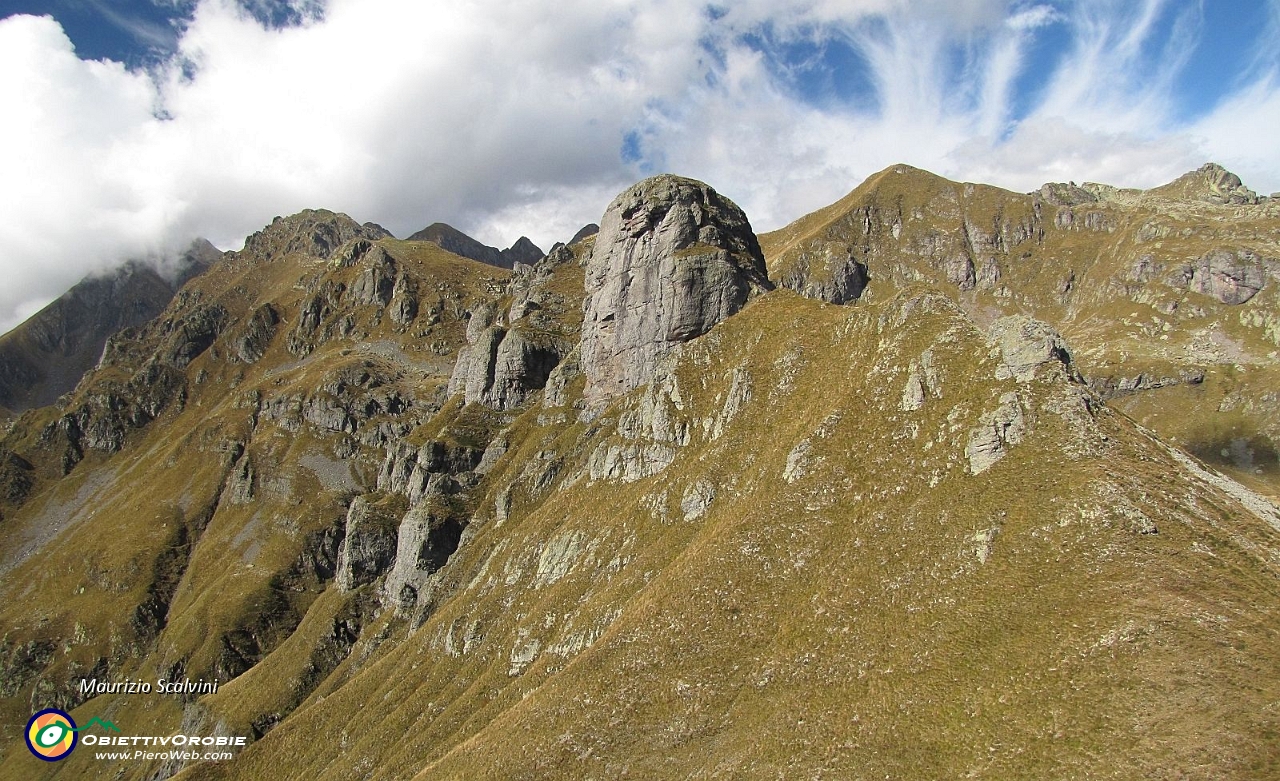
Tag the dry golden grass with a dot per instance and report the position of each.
(841, 625)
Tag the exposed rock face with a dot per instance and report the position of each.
(1027, 347)
(368, 548)
(417, 473)
(192, 335)
(315, 232)
(649, 436)
(556, 392)
(501, 367)
(425, 541)
(1211, 183)
(1067, 194)
(510, 353)
(998, 430)
(1231, 277)
(1113, 387)
(252, 344)
(242, 480)
(672, 259)
(404, 301)
(104, 418)
(16, 477)
(835, 277)
(377, 279)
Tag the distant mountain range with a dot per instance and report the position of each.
(47, 354)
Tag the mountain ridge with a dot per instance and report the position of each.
(45, 356)
(1164, 295)
(459, 243)
(914, 534)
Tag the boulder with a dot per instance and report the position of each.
(1027, 346)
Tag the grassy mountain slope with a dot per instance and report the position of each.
(1085, 607)
(914, 536)
(195, 527)
(1169, 297)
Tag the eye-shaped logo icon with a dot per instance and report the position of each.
(51, 734)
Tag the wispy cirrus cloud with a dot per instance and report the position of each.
(508, 119)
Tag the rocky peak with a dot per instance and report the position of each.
(1211, 183)
(315, 232)
(191, 263)
(450, 239)
(673, 258)
(523, 251)
(585, 232)
(47, 355)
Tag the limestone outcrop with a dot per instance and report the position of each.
(315, 232)
(1231, 277)
(511, 352)
(253, 342)
(369, 546)
(500, 367)
(996, 432)
(1210, 183)
(836, 277)
(673, 258)
(427, 537)
(1028, 347)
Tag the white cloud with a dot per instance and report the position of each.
(510, 118)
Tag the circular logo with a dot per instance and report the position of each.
(51, 734)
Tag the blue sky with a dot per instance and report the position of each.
(135, 126)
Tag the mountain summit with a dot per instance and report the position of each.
(459, 243)
(672, 259)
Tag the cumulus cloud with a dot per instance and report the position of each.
(507, 119)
